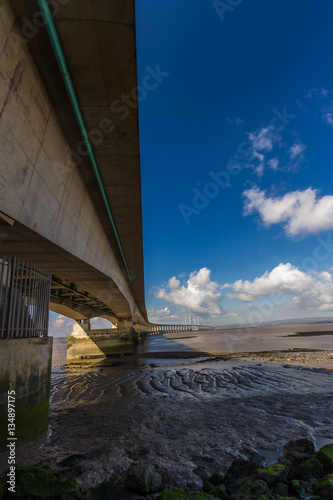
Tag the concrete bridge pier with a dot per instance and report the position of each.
(125, 326)
(85, 343)
(25, 373)
(25, 351)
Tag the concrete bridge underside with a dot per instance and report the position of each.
(52, 212)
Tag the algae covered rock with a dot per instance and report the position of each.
(143, 479)
(185, 495)
(207, 486)
(324, 488)
(280, 490)
(273, 474)
(325, 456)
(220, 492)
(301, 489)
(297, 451)
(217, 478)
(38, 482)
(204, 472)
(110, 491)
(239, 471)
(308, 470)
(252, 489)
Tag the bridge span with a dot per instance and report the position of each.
(70, 190)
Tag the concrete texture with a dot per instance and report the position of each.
(47, 187)
(84, 343)
(25, 367)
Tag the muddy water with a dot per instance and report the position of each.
(186, 409)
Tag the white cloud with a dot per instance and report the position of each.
(297, 150)
(99, 323)
(284, 278)
(308, 291)
(60, 326)
(200, 296)
(303, 212)
(264, 139)
(274, 163)
(318, 296)
(162, 316)
(328, 119)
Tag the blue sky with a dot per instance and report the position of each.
(236, 139)
(236, 158)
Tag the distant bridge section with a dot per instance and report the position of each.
(156, 329)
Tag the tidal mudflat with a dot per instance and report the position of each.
(187, 401)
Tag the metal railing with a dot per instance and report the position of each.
(24, 299)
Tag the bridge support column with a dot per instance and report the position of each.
(84, 343)
(25, 372)
(125, 327)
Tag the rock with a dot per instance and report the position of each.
(324, 488)
(273, 474)
(255, 457)
(308, 470)
(207, 486)
(217, 478)
(38, 482)
(204, 472)
(281, 490)
(110, 491)
(143, 479)
(220, 492)
(185, 495)
(73, 460)
(325, 456)
(239, 471)
(301, 489)
(146, 450)
(252, 489)
(297, 451)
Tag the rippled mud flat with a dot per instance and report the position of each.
(179, 417)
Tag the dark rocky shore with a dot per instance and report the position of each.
(300, 473)
(198, 426)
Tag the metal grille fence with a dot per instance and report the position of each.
(24, 299)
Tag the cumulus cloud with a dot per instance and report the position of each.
(302, 212)
(99, 323)
(318, 296)
(284, 278)
(162, 316)
(308, 291)
(60, 326)
(199, 296)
